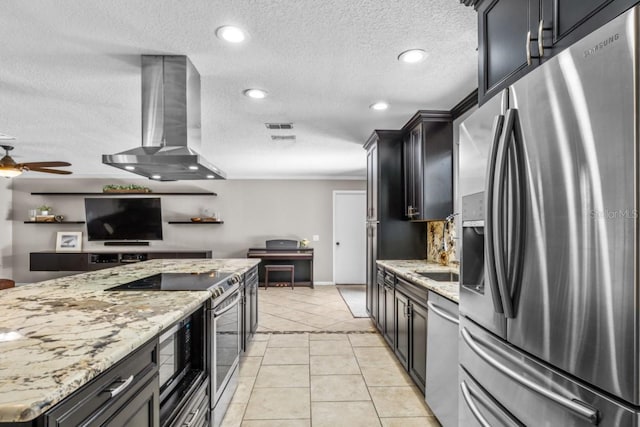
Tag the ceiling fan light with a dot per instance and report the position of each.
(10, 172)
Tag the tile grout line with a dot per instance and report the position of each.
(373, 403)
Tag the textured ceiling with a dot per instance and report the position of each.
(70, 76)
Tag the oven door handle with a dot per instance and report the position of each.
(220, 313)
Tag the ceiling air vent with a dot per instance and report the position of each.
(283, 137)
(279, 125)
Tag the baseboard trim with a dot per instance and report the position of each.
(323, 283)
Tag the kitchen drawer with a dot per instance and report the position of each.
(105, 394)
(251, 275)
(417, 293)
(196, 412)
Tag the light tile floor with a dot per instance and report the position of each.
(306, 310)
(312, 364)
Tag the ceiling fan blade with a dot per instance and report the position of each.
(46, 170)
(32, 165)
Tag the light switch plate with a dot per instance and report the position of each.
(316, 238)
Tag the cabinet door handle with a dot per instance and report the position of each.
(540, 39)
(528, 47)
(118, 386)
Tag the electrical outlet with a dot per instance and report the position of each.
(316, 238)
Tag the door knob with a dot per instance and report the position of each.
(337, 243)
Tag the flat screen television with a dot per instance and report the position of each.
(123, 218)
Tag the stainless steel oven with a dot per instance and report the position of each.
(224, 318)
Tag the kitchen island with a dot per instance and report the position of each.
(57, 335)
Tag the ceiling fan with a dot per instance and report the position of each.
(9, 168)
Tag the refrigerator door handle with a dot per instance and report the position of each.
(468, 399)
(489, 221)
(574, 405)
(516, 260)
(498, 214)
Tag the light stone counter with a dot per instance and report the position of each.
(407, 270)
(55, 336)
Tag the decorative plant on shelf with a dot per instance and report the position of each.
(45, 210)
(130, 188)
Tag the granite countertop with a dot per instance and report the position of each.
(407, 268)
(57, 335)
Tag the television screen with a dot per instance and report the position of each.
(123, 218)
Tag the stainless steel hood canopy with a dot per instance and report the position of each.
(170, 124)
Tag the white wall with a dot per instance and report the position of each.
(252, 210)
(6, 258)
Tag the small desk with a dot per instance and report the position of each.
(301, 258)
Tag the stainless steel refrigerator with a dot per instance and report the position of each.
(550, 286)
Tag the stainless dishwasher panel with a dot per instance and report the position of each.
(442, 359)
(533, 392)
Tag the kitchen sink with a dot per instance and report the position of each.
(440, 277)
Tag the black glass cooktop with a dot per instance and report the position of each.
(177, 282)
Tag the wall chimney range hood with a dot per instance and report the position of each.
(170, 124)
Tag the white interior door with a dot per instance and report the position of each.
(349, 237)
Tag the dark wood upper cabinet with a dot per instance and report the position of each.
(428, 166)
(389, 235)
(503, 26)
(515, 36)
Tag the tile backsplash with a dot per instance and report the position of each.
(437, 232)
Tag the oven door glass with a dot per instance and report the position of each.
(226, 320)
(175, 356)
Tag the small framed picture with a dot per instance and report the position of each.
(69, 241)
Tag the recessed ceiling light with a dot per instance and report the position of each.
(129, 168)
(156, 176)
(412, 56)
(255, 93)
(193, 167)
(210, 176)
(231, 34)
(379, 106)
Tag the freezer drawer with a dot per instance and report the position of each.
(534, 393)
(442, 359)
(478, 408)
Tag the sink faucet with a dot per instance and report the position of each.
(450, 217)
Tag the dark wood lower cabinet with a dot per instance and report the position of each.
(249, 303)
(142, 410)
(405, 327)
(126, 394)
(401, 347)
(91, 261)
(389, 315)
(380, 305)
(418, 344)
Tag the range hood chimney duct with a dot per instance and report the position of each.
(170, 124)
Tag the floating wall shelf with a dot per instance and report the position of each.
(196, 222)
(54, 222)
(124, 194)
